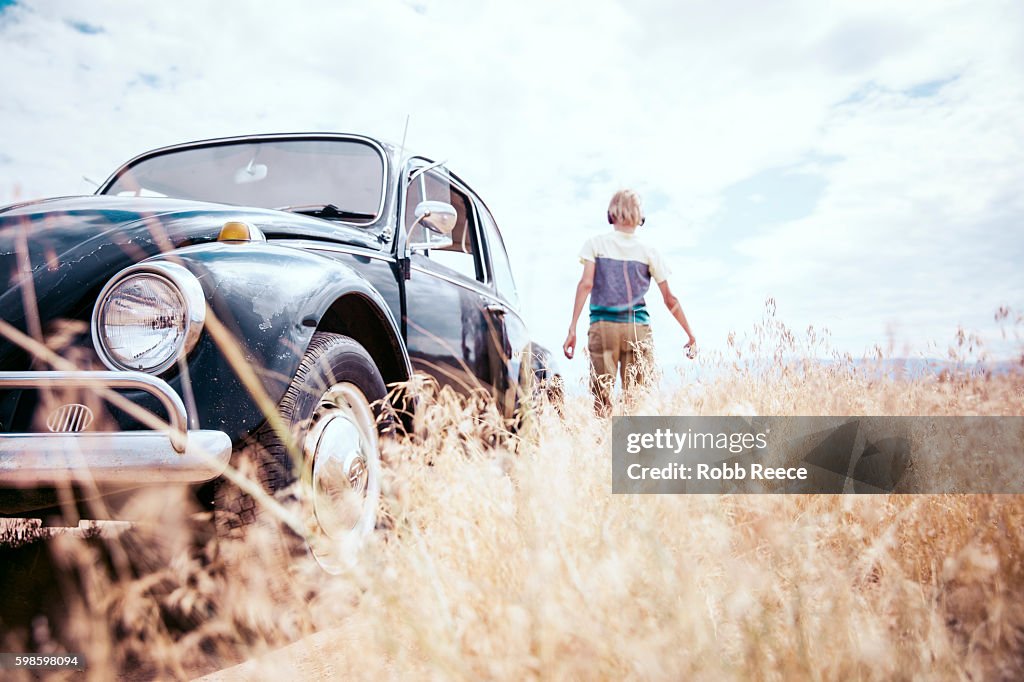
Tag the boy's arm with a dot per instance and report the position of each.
(672, 303)
(582, 291)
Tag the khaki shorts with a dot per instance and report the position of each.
(621, 348)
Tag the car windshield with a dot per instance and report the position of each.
(332, 178)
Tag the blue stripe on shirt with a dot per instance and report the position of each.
(637, 315)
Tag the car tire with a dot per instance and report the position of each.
(335, 411)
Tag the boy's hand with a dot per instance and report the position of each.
(569, 347)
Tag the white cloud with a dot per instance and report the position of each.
(546, 108)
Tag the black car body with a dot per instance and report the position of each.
(270, 273)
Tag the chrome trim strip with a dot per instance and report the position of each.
(353, 250)
(476, 288)
(176, 416)
(270, 137)
(191, 292)
(33, 459)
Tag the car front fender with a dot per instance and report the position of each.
(269, 299)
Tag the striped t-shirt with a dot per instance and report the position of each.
(623, 269)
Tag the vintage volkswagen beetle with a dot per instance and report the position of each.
(210, 282)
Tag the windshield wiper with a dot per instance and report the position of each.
(327, 211)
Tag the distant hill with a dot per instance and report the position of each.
(892, 368)
(919, 367)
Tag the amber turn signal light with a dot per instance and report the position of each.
(237, 231)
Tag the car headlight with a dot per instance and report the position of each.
(147, 317)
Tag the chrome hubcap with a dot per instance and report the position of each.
(342, 447)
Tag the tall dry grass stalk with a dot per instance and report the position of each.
(505, 556)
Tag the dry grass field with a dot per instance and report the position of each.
(505, 556)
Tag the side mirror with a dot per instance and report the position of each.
(433, 226)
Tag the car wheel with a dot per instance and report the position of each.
(333, 410)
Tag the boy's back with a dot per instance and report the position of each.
(623, 268)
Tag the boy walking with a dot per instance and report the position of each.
(617, 272)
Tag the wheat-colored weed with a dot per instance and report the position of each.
(507, 557)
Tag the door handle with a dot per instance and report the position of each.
(495, 309)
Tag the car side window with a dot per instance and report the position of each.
(463, 255)
(500, 266)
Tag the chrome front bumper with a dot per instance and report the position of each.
(174, 455)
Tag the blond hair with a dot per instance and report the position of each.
(624, 208)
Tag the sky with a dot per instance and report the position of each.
(858, 162)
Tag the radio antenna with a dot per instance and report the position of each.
(386, 235)
(405, 133)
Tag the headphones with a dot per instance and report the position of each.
(643, 219)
